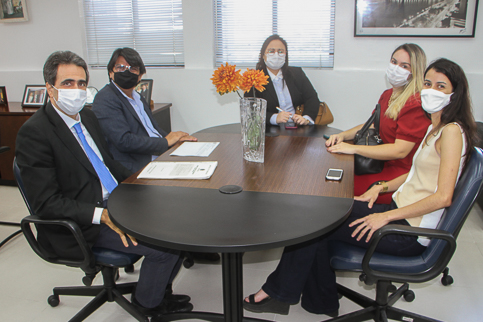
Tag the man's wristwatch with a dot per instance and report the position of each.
(380, 183)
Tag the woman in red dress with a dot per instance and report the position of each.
(403, 122)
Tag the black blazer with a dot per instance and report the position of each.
(301, 91)
(128, 140)
(60, 181)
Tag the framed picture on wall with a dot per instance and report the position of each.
(399, 18)
(145, 89)
(3, 99)
(13, 11)
(34, 96)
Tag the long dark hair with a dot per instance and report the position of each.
(261, 63)
(459, 109)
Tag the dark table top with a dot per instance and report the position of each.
(284, 201)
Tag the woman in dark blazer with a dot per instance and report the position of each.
(287, 88)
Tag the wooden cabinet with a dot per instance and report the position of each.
(12, 119)
(10, 122)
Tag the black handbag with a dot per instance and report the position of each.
(368, 136)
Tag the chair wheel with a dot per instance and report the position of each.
(447, 280)
(409, 296)
(392, 288)
(362, 277)
(87, 280)
(53, 300)
(188, 262)
(339, 296)
(129, 268)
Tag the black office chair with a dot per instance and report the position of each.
(385, 269)
(95, 260)
(7, 223)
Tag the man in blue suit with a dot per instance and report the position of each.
(133, 136)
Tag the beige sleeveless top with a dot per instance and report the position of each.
(422, 180)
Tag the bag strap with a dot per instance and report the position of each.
(377, 117)
(369, 122)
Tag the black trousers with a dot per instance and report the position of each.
(304, 269)
(158, 269)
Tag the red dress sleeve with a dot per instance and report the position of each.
(410, 125)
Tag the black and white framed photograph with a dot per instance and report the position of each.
(415, 18)
(34, 96)
(3, 98)
(13, 11)
(145, 89)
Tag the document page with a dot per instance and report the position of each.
(178, 170)
(195, 149)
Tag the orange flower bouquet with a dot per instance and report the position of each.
(252, 110)
(227, 79)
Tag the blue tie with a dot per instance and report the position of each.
(101, 170)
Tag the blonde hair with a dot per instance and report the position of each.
(418, 66)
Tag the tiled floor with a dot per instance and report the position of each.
(27, 281)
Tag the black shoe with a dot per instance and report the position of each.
(210, 257)
(178, 298)
(267, 305)
(164, 308)
(174, 307)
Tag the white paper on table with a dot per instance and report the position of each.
(178, 170)
(195, 149)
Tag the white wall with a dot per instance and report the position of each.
(351, 88)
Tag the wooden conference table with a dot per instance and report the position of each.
(284, 201)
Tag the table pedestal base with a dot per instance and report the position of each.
(232, 266)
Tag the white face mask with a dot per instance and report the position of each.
(434, 101)
(70, 101)
(397, 76)
(275, 60)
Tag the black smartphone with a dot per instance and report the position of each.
(290, 125)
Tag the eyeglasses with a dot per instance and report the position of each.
(272, 51)
(122, 68)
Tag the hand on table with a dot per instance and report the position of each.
(334, 139)
(188, 138)
(342, 147)
(283, 117)
(300, 120)
(175, 137)
(105, 219)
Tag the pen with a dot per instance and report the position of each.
(280, 110)
(326, 136)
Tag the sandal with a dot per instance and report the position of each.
(267, 305)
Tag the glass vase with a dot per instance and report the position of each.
(253, 113)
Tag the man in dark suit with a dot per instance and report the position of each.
(68, 172)
(133, 136)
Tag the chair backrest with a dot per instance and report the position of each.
(87, 264)
(101, 256)
(464, 196)
(21, 187)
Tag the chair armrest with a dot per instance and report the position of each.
(4, 149)
(431, 273)
(88, 263)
